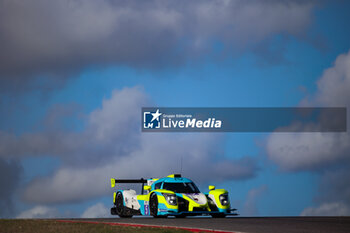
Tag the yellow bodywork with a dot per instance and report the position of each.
(192, 204)
(112, 182)
(216, 193)
(144, 199)
(114, 196)
(161, 198)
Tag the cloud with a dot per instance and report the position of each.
(112, 145)
(10, 173)
(250, 205)
(40, 212)
(152, 160)
(43, 42)
(328, 154)
(308, 151)
(118, 119)
(333, 196)
(98, 210)
(327, 209)
(305, 151)
(335, 187)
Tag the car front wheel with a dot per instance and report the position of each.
(154, 206)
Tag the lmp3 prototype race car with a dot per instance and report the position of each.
(169, 196)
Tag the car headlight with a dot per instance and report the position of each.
(224, 199)
(170, 198)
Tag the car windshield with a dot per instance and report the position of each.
(188, 187)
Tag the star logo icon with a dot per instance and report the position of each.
(156, 115)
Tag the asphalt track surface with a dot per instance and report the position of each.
(247, 224)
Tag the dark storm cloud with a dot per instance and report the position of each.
(49, 40)
(10, 172)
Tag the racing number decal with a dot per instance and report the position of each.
(146, 208)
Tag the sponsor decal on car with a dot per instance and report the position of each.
(146, 209)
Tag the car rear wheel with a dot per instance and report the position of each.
(120, 208)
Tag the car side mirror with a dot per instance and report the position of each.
(147, 187)
(211, 187)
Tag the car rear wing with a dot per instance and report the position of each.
(129, 181)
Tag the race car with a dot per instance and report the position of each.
(169, 196)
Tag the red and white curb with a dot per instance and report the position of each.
(190, 229)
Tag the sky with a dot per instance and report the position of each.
(74, 75)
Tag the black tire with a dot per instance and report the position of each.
(113, 212)
(120, 208)
(153, 205)
(220, 215)
(180, 216)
